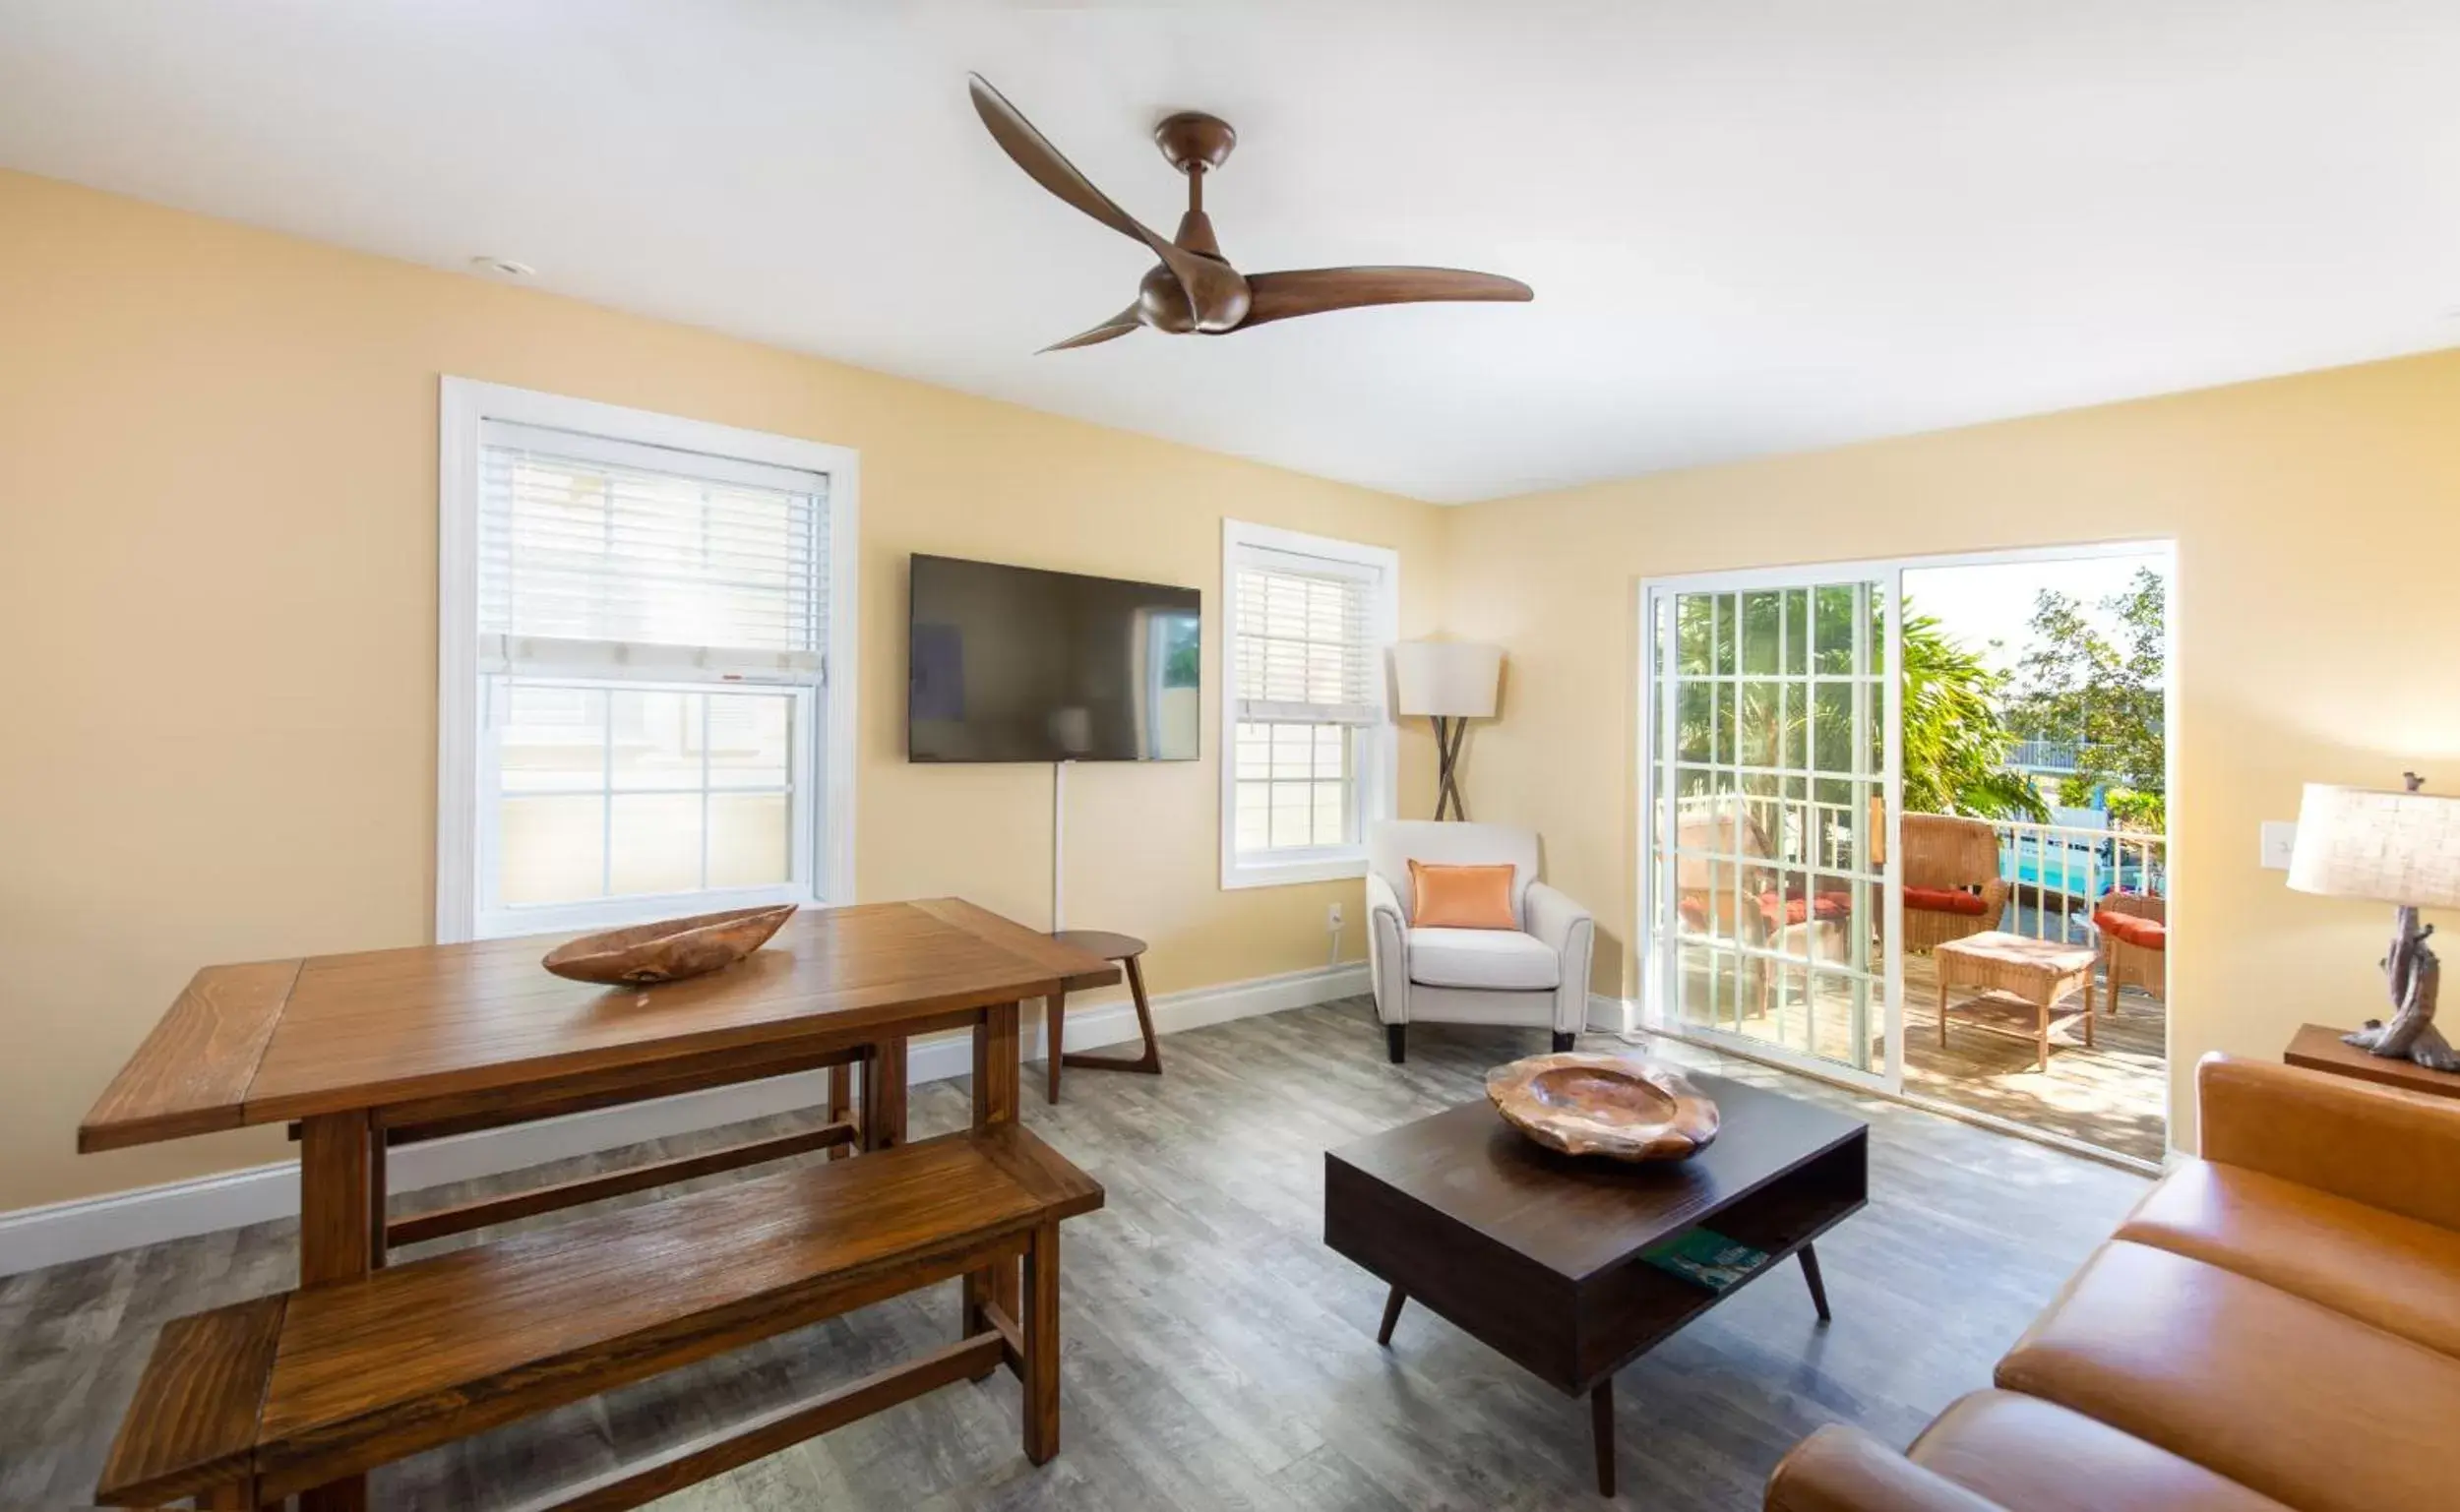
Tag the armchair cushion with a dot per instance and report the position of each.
(1463, 897)
(2150, 933)
(1782, 912)
(1947, 901)
(1497, 960)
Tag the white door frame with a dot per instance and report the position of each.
(1656, 1012)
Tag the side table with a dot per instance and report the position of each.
(2040, 971)
(1124, 949)
(2318, 1048)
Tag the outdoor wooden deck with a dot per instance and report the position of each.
(2112, 1095)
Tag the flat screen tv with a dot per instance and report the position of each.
(1016, 664)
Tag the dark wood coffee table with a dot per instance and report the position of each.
(1538, 1255)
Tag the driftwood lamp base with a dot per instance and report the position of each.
(2413, 973)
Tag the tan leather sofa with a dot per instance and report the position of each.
(2277, 1325)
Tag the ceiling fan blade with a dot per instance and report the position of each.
(1313, 290)
(1109, 330)
(1032, 152)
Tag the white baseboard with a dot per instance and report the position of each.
(61, 1231)
(1612, 1015)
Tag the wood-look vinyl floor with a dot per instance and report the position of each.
(1215, 1353)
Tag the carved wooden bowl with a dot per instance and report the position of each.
(668, 950)
(1621, 1107)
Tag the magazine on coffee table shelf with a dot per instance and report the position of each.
(1705, 1257)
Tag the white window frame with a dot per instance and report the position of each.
(824, 843)
(1375, 750)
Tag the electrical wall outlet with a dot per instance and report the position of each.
(1332, 918)
(2279, 836)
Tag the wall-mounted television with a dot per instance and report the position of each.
(1017, 664)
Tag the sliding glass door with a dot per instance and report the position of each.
(1770, 772)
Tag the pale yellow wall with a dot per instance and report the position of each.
(2317, 623)
(217, 582)
(218, 502)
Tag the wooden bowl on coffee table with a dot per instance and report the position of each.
(1621, 1107)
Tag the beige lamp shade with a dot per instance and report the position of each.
(2399, 848)
(1455, 679)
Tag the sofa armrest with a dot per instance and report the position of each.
(2388, 1149)
(1841, 1468)
(1567, 929)
(1387, 950)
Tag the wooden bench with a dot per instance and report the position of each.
(246, 1405)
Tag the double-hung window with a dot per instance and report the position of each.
(642, 714)
(1308, 758)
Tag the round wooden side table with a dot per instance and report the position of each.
(1122, 948)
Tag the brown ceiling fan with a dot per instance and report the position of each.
(1194, 288)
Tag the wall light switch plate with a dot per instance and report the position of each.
(2279, 836)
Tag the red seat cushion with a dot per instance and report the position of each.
(1944, 900)
(1780, 912)
(2150, 933)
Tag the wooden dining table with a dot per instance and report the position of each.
(369, 1050)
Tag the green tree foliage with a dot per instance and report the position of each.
(1957, 741)
(2103, 693)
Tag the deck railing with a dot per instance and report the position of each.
(2057, 872)
(2043, 756)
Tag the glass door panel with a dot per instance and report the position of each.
(1768, 766)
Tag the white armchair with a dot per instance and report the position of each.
(1536, 976)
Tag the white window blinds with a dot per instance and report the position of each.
(1304, 650)
(607, 558)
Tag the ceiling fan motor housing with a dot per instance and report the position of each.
(1162, 304)
(1214, 305)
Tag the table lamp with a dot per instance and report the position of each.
(1450, 682)
(2399, 848)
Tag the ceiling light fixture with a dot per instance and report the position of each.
(506, 266)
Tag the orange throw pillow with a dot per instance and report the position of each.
(1462, 898)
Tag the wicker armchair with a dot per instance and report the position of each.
(1706, 890)
(1944, 854)
(1762, 911)
(2133, 956)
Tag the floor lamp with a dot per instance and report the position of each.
(1451, 682)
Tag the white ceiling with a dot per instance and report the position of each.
(1753, 225)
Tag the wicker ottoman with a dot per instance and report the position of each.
(2039, 971)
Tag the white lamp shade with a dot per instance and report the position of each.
(2399, 848)
(1455, 679)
